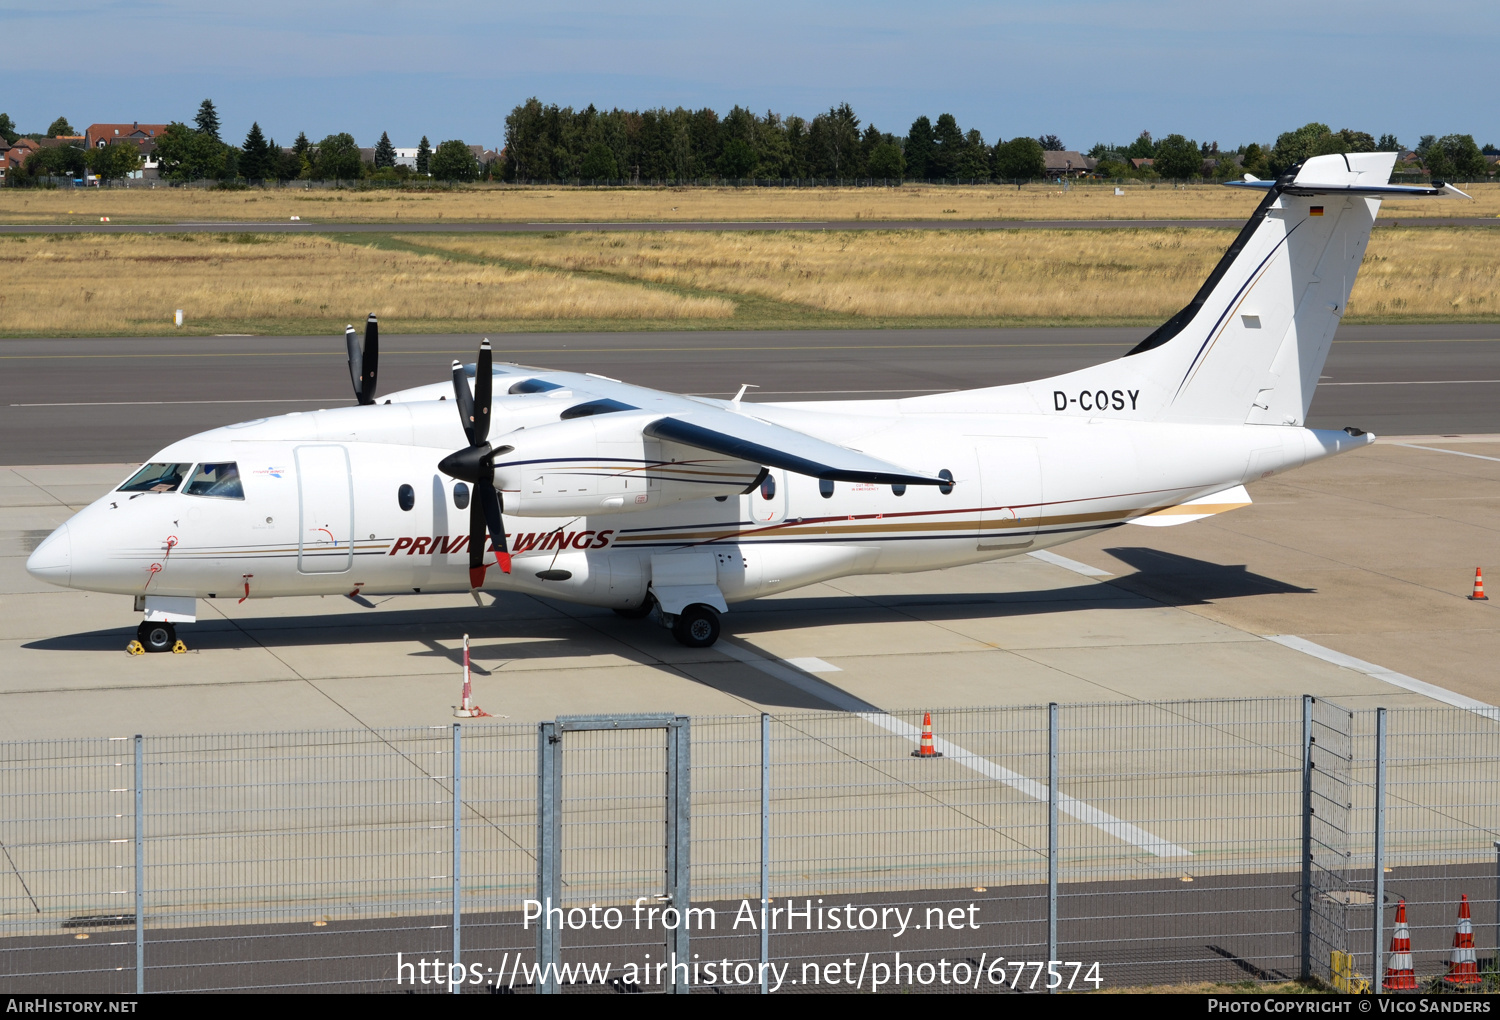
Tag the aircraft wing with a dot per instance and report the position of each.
(760, 442)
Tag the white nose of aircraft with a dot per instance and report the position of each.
(53, 559)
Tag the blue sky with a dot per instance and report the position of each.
(1090, 70)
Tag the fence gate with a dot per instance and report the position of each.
(1327, 797)
(621, 843)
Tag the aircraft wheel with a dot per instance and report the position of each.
(639, 612)
(156, 637)
(697, 626)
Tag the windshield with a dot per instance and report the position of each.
(156, 477)
(221, 480)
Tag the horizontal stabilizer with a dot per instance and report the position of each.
(1196, 509)
(760, 442)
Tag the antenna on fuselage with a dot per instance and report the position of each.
(364, 360)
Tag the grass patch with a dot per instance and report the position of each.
(81, 284)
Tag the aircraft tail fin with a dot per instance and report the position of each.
(1251, 344)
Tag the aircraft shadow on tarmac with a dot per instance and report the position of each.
(518, 628)
(1184, 581)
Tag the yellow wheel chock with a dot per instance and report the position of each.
(134, 648)
(179, 647)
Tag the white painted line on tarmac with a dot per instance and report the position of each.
(1456, 453)
(1071, 806)
(334, 401)
(1101, 820)
(1389, 676)
(1418, 382)
(1067, 564)
(813, 664)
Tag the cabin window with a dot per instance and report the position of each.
(825, 488)
(156, 477)
(898, 489)
(460, 496)
(947, 477)
(406, 496)
(222, 481)
(768, 487)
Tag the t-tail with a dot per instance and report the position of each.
(1250, 346)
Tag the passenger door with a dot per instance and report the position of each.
(325, 491)
(1010, 473)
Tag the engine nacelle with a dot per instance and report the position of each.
(603, 464)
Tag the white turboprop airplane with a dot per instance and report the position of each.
(595, 491)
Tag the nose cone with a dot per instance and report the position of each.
(53, 559)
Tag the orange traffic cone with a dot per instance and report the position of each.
(1399, 975)
(926, 750)
(1479, 595)
(1462, 969)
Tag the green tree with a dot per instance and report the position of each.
(1019, 159)
(54, 161)
(1255, 162)
(1142, 148)
(1295, 147)
(948, 144)
(8, 129)
(188, 155)
(454, 161)
(887, 161)
(1455, 156)
(1051, 143)
(385, 153)
(424, 156)
(1388, 143)
(207, 121)
(338, 158)
(114, 161)
(60, 127)
(257, 162)
(974, 159)
(919, 148)
(1178, 158)
(737, 159)
(600, 163)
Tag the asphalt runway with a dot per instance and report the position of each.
(502, 227)
(98, 400)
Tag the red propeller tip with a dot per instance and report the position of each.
(503, 558)
(476, 577)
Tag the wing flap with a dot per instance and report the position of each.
(760, 442)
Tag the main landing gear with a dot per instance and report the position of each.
(697, 626)
(156, 637)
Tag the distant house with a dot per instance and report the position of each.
(144, 137)
(408, 157)
(1067, 163)
(1141, 164)
(18, 153)
(61, 140)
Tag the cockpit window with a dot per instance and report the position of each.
(156, 477)
(219, 480)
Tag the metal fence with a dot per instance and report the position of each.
(1133, 843)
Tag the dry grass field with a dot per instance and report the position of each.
(490, 203)
(131, 284)
(258, 283)
(1032, 276)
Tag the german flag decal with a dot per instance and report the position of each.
(1316, 210)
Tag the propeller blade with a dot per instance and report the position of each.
(465, 401)
(369, 363)
(484, 379)
(492, 516)
(476, 543)
(352, 342)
